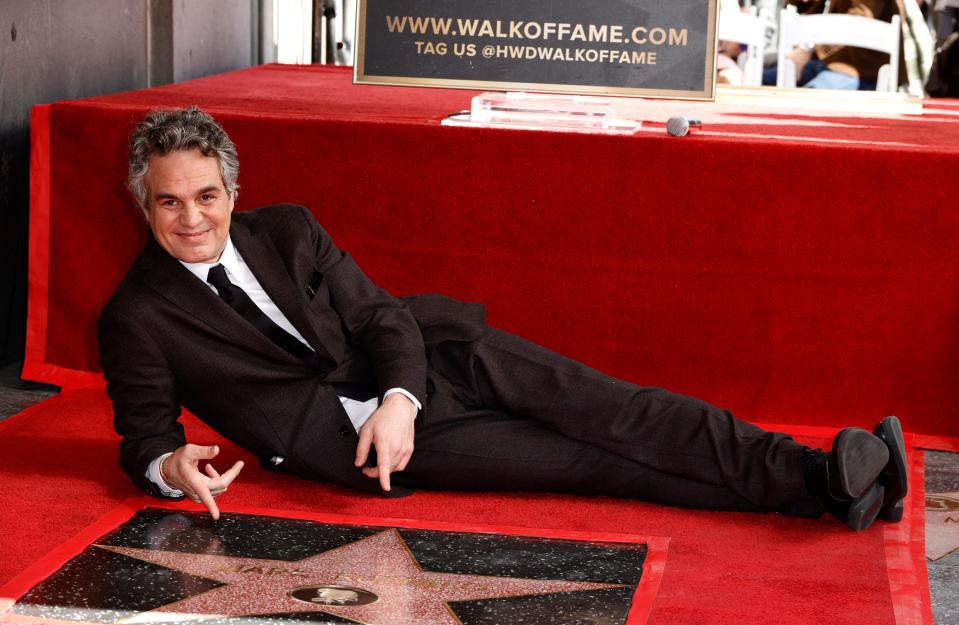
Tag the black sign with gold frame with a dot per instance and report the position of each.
(656, 48)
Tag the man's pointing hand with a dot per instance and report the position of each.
(390, 430)
(181, 470)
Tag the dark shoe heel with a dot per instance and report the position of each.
(864, 510)
(858, 457)
(895, 475)
(892, 512)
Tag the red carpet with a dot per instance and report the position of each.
(794, 269)
(59, 475)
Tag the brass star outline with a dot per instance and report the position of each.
(381, 563)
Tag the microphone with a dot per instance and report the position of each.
(680, 126)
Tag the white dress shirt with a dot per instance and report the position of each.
(239, 274)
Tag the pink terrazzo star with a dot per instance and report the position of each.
(942, 524)
(381, 565)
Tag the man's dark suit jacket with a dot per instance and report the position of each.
(166, 340)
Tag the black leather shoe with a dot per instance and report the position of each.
(845, 480)
(895, 475)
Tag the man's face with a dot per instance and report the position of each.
(188, 207)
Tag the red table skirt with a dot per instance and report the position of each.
(795, 270)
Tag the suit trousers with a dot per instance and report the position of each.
(503, 413)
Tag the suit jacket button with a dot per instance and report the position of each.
(322, 375)
(345, 431)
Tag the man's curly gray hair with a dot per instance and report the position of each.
(165, 131)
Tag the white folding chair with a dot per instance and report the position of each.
(748, 29)
(838, 29)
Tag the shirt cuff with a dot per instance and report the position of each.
(406, 394)
(153, 474)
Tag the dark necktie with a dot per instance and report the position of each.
(239, 301)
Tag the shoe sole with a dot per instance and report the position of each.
(892, 512)
(860, 457)
(864, 510)
(889, 430)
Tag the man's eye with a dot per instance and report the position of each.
(168, 204)
(207, 197)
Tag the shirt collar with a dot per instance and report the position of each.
(230, 259)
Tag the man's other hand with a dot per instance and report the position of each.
(390, 430)
(181, 470)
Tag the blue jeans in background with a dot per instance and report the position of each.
(815, 76)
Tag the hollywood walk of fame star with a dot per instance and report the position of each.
(942, 525)
(381, 565)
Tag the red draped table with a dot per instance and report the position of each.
(792, 268)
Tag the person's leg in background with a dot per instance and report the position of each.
(828, 79)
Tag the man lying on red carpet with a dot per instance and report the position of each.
(259, 325)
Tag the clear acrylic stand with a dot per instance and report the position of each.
(542, 111)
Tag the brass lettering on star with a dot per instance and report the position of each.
(402, 580)
(259, 570)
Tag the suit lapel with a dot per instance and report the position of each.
(174, 282)
(263, 259)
